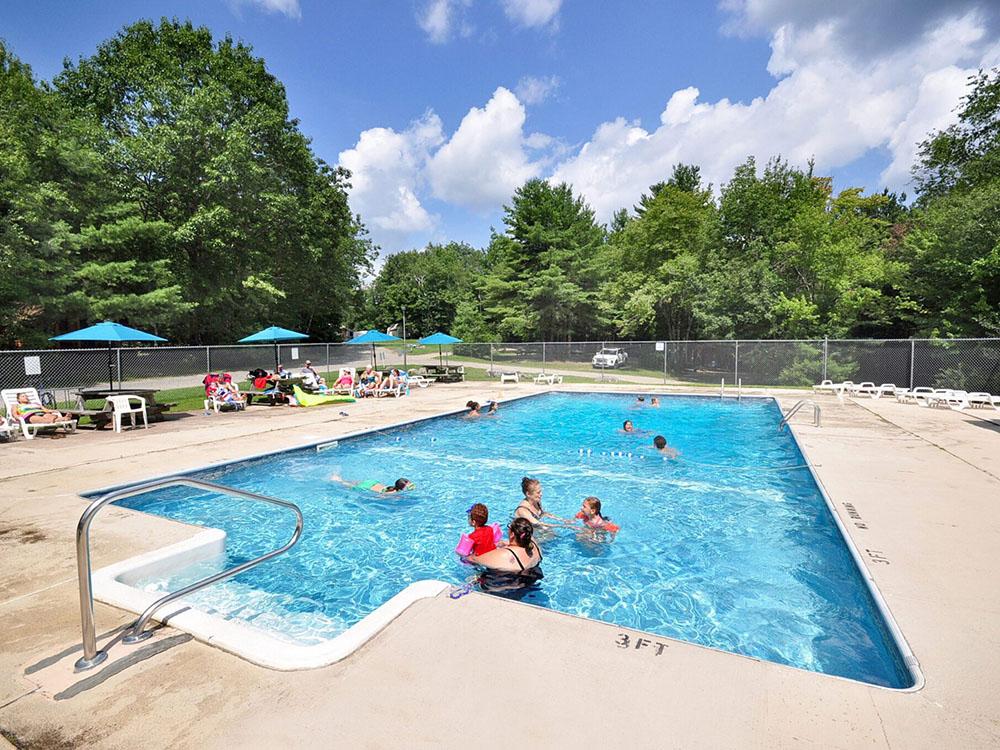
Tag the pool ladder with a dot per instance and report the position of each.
(799, 405)
(136, 633)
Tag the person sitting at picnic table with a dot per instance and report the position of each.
(36, 413)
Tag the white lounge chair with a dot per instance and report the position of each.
(6, 428)
(906, 395)
(547, 379)
(867, 388)
(122, 405)
(886, 389)
(391, 390)
(343, 389)
(509, 377)
(981, 398)
(215, 404)
(839, 389)
(418, 380)
(827, 385)
(936, 397)
(9, 396)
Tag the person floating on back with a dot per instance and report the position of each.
(660, 443)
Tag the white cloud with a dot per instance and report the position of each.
(387, 175)
(440, 18)
(535, 90)
(289, 8)
(832, 104)
(532, 13)
(485, 158)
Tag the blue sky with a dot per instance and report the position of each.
(442, 107)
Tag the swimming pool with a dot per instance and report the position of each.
(732, 546)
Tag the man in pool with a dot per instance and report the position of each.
(627, 426)
(660, 443)
(400, 485)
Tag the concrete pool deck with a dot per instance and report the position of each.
(917, 489)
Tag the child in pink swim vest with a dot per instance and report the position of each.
(482, 535)
(590, 514)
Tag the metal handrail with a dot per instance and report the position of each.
(91, 656)
(798, 405)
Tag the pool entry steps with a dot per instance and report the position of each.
(136, 633)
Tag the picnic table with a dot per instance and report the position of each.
(445, 373)
(285, 386)
(102, 417)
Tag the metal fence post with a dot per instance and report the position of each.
(491, 360)
(119, 352)
(328, 357)
(736, 367)
(664, 363)
(208, 359)
(826, 350)
(912, 347)
(543, 357)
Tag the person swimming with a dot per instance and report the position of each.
(473, 409)
(654, 401)
(400, 485)
(627, 426)
(660, 443)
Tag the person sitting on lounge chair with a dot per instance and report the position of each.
(368, 383)
(36, 413)
(229, 394)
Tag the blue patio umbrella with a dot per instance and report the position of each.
(111, 333)
(373, 337)
(272, 335)
(440, 339)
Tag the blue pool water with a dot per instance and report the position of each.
(727, 547)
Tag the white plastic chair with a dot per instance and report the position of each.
(122, 405)
(509, 377)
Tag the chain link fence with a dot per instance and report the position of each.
(968, 364)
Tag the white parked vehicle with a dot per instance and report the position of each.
(610, 358)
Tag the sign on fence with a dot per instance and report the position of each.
(33, 365)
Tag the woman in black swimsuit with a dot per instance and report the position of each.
(530, 508)
(515, 566)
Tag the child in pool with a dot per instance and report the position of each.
(400, 485)
(590, 515)
(660, 443)
(482, 535)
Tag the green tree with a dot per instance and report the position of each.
(545, 278)
(431, 283)
(966, 154)
(217, 196)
